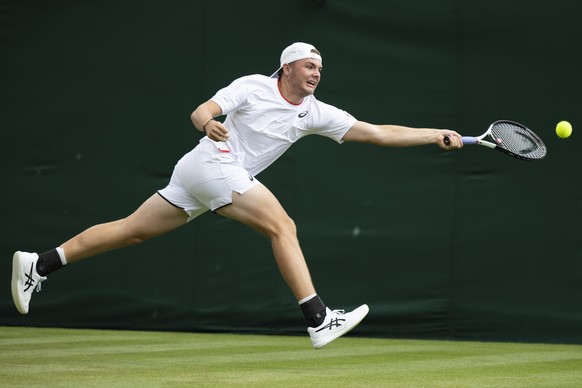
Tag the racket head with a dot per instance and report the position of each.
(517, 140)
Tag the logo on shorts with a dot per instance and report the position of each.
(303, 114)
(251, 178)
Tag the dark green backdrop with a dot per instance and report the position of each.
(96, 97)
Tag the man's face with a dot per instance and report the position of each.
(304, 75)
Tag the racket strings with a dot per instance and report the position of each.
(518, 140)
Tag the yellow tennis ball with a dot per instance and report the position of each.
(563, 129)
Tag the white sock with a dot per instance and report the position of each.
(61, 253)
(306, 299)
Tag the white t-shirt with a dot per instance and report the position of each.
(263, 125)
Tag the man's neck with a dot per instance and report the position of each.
(285, 90)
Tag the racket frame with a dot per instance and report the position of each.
(479, 140)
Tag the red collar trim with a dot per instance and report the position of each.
(279, 87)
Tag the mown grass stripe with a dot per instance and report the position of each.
(96, 358)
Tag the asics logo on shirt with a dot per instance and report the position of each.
(303, 114)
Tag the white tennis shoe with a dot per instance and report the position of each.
(24, 279)
(336, 324)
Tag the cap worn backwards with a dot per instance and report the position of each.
(295, 52)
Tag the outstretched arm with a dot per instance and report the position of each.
(399, 136)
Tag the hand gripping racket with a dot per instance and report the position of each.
(511, 138)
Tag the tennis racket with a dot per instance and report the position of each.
(510, 138)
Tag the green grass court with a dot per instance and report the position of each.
(100, 358)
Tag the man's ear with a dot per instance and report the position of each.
(286, 68)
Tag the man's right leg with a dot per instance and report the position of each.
(260, 209)
(153, 218)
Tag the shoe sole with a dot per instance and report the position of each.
(339, 333)
(16, 270)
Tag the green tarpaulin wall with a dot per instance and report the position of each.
(96, 98)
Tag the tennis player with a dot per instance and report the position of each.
(264, 117)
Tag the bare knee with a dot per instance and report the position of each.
(130, 234)
(282, 228)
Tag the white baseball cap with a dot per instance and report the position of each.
(295, 52)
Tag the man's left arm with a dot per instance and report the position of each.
(400, 136)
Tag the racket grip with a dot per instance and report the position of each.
(464, 139)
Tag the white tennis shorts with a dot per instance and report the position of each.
(205, 178)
